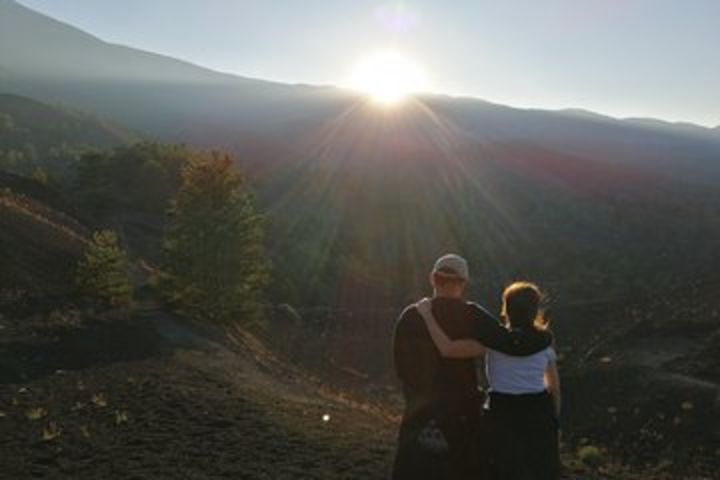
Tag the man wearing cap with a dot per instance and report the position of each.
(440, 435)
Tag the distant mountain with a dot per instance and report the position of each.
(683, 128)
(65, 52)
(46, 59)
(49, 60)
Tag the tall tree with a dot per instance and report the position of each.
(215, 267)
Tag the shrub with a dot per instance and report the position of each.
(591, 456)
(102, 273)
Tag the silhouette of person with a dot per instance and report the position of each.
(440, 432)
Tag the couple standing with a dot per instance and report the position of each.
(449, 429)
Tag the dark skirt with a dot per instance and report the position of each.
(522, 437)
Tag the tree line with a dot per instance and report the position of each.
(212, 264)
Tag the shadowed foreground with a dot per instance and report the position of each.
(190, 409)
(162, 401)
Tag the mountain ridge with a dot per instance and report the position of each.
(130, 71)
(26, 18)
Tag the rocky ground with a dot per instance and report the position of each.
(143, 398)
(146, 396)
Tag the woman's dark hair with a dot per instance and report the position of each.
(521, 306)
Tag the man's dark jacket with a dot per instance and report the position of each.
(445, 390)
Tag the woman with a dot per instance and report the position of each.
(524, 400)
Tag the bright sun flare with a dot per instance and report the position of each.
(388, 77)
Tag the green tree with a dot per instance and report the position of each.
(139, 178)
(215, 268)
(102, 273)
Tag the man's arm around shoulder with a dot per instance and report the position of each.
(492, 334)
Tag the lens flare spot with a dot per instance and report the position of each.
(397, 18)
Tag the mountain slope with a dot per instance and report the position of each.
(49, 60)
(54, 43)
(46, 140)
(147, 396)
(41, 242)
(46, 59)
(26, 121)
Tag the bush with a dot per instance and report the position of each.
(591, 456)
(102, 273)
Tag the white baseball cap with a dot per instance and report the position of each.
(452, 265)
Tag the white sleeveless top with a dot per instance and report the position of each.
(517, 375)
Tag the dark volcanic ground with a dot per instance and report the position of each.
(150, 399)
(146, 396)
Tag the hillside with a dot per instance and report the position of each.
(45, 126)
(88, 391)
(639, 375)
(103, 387)
(657, 360)
(34, 134)
(40, 239)
(149, 395)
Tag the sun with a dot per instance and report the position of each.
(388, 77)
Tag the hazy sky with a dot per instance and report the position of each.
(657, 58)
